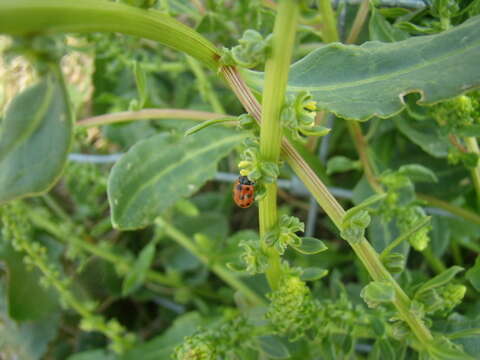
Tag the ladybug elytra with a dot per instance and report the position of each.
(243, 192)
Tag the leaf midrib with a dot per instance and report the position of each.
(33, 124)
(352, 84)
(171, 167)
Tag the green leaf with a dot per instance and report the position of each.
(27, 340)
(439, 280)
(310, 246)
(34, 140)
(340, 164)
(99, 354)
(358, 82)
(27, 299)
(137, 275)
(418, 173)
(380, 29)
(273, 347)
(425, 134)
(141, 82)
(470, 130)
(158, 171)
(313, 274)
(378, 292)
(161, 347)
(473, 274)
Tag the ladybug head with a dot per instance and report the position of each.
(244, 180)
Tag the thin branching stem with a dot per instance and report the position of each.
(149, 114)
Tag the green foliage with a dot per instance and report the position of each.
(292, 308)
(339, 164)
(378, 292)
(34, 144)
(298, 117)
(180, 166)
(227, 339)
(361, 90)
(252, 50)
(189, 281)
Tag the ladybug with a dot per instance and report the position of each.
(243, 192)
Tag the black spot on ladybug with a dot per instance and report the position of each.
(242, 197)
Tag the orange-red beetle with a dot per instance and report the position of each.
(243, 192)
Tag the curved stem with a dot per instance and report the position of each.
(148, 114)
(27, 17)
(276, 76)
(362, 148)
(463, 213)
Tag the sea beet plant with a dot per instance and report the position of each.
(121, 120)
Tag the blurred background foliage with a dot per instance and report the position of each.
(147, 289)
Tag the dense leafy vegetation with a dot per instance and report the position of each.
(121, 120)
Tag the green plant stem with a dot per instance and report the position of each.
(456, 210)
(362, 149)
(360, 18)
(329, 31)
(472, 146)
(435, 263)
(276, 76)
(49, 226)
(27, 17)
(205, 85)
(405, 236)
(218, 269)
(150, 114)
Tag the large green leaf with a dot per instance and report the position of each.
(27, 299)
(358, 82)
(158, 171)
(28, 340)
(34, 140)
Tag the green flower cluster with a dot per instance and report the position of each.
(298, 117)
(228, 339)
(252, 50)
(401, 203)
(284, 234)
(458, 114)
(292, 310)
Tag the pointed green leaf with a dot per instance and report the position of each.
(418, 173)
(27, 299)
(310, 246)
(473, 275)
(378, 292)
(34, 140)
(137, 275)
(380, 29)
(425, 134)
(439, 280)
(358, 82)
(340, 164)
(313, 274)
(273, 347)
(158, 171)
